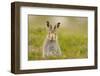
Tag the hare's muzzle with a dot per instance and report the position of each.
(52, 36)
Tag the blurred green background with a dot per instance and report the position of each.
(72, 36)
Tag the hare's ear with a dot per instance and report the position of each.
(48, 24)
(58, 24)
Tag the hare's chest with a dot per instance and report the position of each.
(52, 46)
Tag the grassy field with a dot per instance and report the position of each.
(72, 37)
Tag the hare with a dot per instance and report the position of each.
(51, 46)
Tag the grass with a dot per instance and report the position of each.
(72, 40)
(73, 45)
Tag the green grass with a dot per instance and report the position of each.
(72, 39)
(73, 43)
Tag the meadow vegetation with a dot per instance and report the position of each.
(72, 38)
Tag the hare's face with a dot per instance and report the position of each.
(52, 31)
(52, 34)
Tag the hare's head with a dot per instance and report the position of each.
(52, 30)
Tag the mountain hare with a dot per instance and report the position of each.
(51, 46)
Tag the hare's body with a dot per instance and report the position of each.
(51, 46)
